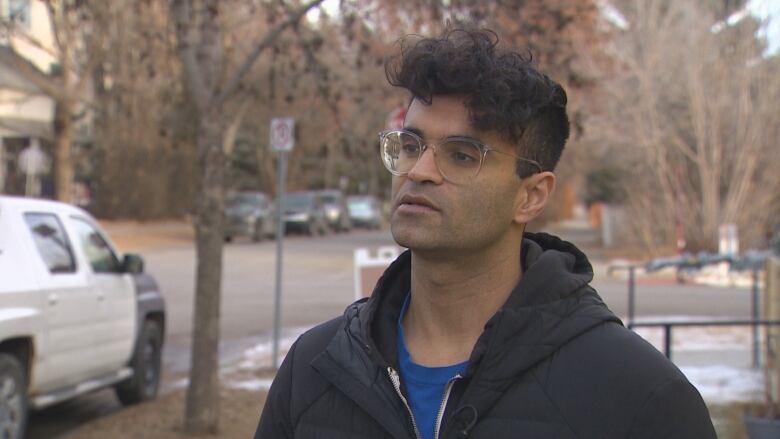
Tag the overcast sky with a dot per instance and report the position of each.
(768, 10)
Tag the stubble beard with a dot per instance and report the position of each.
(414, 236)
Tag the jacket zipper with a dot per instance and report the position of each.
(396, 380)
(440, 415)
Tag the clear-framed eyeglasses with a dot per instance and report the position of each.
(458, 159)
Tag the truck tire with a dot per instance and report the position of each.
(13, 398)
(146, 364)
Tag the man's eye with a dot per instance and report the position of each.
(462, 157)
(462, 153)
(410, 148)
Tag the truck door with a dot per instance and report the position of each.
(116, 305)
(66, 354)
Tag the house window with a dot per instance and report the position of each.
(18, 11)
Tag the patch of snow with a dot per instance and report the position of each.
(717, 383)
(180, 384)
(720, 384)
(254, 385)
(697, 338)
(259, 356)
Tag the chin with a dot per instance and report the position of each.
(413, 238)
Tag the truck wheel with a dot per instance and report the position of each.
(146, 364)
(13, 398)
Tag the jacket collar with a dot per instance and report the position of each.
(555, 273)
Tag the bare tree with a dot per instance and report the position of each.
(692, 114)
(201, 47)
(141, 131)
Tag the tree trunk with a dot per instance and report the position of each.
(63, 140)
(202, 412)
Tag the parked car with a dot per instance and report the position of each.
(365, 211)
(336, 210)
(76, 315)
(305, 212)
(250, 214)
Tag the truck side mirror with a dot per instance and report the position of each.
(132, 263)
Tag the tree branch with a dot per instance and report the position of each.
(54, 23)
(94, 60)
(48, 85)
(13, 31)
(182, 10)
(267, 40)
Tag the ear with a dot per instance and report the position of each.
(533, 195)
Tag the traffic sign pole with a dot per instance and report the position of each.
(282, 141)
(279, 254)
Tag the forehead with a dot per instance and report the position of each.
(448, 116)
(444, 116)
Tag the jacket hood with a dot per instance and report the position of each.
(551, 304)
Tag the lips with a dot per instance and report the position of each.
(416, 201)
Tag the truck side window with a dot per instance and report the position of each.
(51, 241)
(97, 250)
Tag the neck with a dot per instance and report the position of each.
(453, 298)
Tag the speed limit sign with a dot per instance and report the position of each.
(282, 133)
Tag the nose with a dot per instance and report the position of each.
(425, 169)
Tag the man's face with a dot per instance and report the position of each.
(430, 213)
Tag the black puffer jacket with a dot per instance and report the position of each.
(553, 362)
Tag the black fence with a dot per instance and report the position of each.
(753, 261)
(669, 325)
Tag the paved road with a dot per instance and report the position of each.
(318, 280)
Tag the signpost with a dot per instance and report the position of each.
(282, 141)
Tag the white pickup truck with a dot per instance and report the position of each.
(75, 316)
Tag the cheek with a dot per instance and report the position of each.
(489, 208)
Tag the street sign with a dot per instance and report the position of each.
(282, 133)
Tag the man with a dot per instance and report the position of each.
(479, 330)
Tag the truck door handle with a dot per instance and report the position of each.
(53, 299)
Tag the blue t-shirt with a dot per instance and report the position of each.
(424, 385)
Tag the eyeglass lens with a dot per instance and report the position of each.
(457, 160)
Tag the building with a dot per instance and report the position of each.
(26, 112)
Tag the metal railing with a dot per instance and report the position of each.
(668, 325)
(752, 261)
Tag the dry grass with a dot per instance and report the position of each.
(162, 418)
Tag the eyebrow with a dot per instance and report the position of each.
(414, 130)
(421, 134)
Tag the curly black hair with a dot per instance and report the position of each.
(504, 93)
